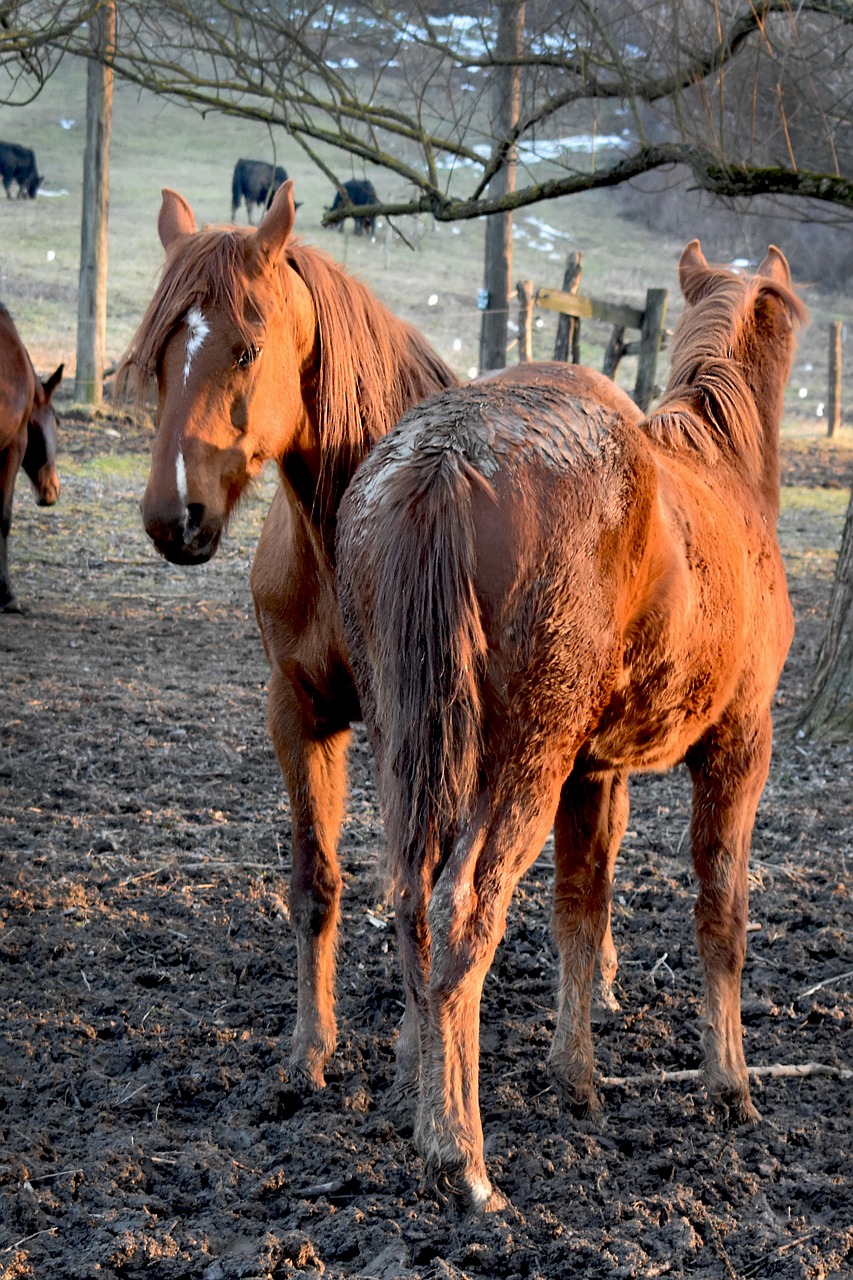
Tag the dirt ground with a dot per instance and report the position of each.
(147, 1127)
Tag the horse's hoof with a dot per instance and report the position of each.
(580, 1101)
(306, 1077)
(465, 1193)
(605, 999)
(496, 1202)
(736, 1111)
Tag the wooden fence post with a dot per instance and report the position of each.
(614, 352)
(569, 327)
(526, 294)
(651, 337)
(834, 396)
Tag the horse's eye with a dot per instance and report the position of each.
(247, 357)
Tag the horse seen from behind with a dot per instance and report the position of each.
(28, 438)
(264, 348)
(543, 591)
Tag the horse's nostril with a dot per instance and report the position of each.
(195, 515)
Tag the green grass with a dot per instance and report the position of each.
(115, 467)
(810, 526)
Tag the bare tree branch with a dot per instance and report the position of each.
(407, 91)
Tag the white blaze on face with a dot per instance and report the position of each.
(181, 477)
(197, 331)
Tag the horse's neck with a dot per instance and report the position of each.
(768, 389)
(317, 480)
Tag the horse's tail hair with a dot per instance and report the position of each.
(426, 657)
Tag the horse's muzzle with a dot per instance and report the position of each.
(191, 541)
(48, 487)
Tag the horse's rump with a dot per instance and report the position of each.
(412, 565)
(452, 515)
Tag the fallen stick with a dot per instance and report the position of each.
(827, 982)
(779, 1070)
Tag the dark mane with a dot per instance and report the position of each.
(708, 405)
(372, 366)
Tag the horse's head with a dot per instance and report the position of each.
(764, 303)
(40, 455)
(746, 322)
(230, 336)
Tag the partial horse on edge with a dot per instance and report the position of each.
(27, 438)
(543, 592)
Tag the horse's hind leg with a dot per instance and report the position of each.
(413, 944)
(729, 769)
(312, 753)
(608, 961)
(467, 917)
(591, 819)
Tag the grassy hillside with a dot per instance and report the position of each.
(156, 144)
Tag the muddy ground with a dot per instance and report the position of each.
(147, 1128)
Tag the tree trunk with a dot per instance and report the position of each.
(92, 300)
(829, 708)
(498, 253)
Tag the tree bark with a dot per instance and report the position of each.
(498, 251)
(828, 713)
(92, 299)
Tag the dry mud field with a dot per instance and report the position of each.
(147, 1126)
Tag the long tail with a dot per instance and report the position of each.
(425, 656)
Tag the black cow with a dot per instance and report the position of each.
(18, 164)
(256, 182)
(359, 191)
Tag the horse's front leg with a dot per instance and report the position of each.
(311, 745)
(729, 769)
(591, 819)
(10, 462)
(467, 917)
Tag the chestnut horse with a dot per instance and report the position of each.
(542, 592)
(264, 348)
(27, 437)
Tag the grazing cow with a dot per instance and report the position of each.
(18, 164)
(359, 191)
(255, 182)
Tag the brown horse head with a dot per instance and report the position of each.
(40, 456)
(732, 352)
(263, 348)
(230, 336)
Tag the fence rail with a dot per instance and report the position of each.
(576, 307)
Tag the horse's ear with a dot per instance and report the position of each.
(691, 270)
(176, 218)
(53, 381)
(775, 265)
(277, 223)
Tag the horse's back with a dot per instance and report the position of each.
(546, 468)
(607, 571)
